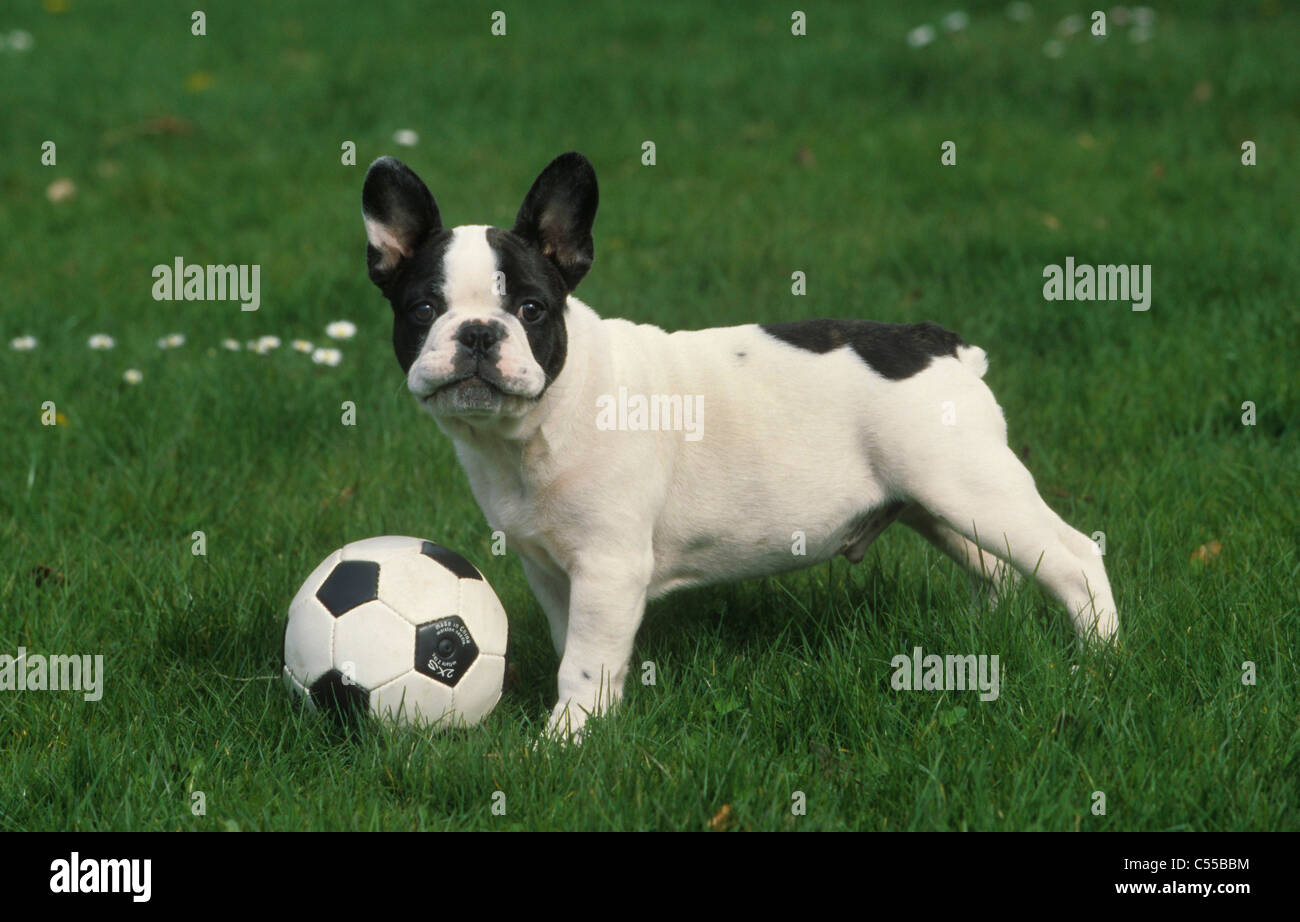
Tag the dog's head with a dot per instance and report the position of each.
(479, 312)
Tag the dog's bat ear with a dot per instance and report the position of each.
(399, 212)
(558, 212)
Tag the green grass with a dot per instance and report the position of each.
(775, 153)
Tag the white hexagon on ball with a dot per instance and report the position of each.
(492, 627)
(373, 644)
(419, 588)
(414, 699)
(479, 689)
(309, 633)
(381, 548)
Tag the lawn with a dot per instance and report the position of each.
(774, 153)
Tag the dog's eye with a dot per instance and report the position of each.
(531, 312)
(423, 313)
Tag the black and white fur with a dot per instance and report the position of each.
(834, 429)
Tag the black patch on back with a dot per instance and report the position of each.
(417, 279)
(894, 350)
(451, 560)
(530, 276)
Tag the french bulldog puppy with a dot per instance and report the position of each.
(623, 462)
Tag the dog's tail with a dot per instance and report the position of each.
(974, 358)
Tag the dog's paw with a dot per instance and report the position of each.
(1104, 630)
(568, 723)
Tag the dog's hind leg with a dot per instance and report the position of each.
(989, 497)
(989, 574)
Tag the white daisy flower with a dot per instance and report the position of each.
(406, 137)
(231, 344)
(132, 376)
(101, 341)
(20, 40)
(956, 21)
(301, 345)
(921, 36)
(172, 341)
(341, 329)
(327, 357)
(267, 343)
(60, 190)
(23, 343)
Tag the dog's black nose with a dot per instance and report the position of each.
(478, 338)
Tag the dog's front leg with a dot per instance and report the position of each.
(551, 589)
(606, 604)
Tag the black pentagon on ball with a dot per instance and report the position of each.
(444, 650)
(451, 560)
(352, 583)
(340, 697)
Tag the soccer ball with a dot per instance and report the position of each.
(400, 627)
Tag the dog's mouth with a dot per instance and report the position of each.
(470, 395)
(477, 392)
(468, 382)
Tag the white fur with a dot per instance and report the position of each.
(793, 442)
(469, 266)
